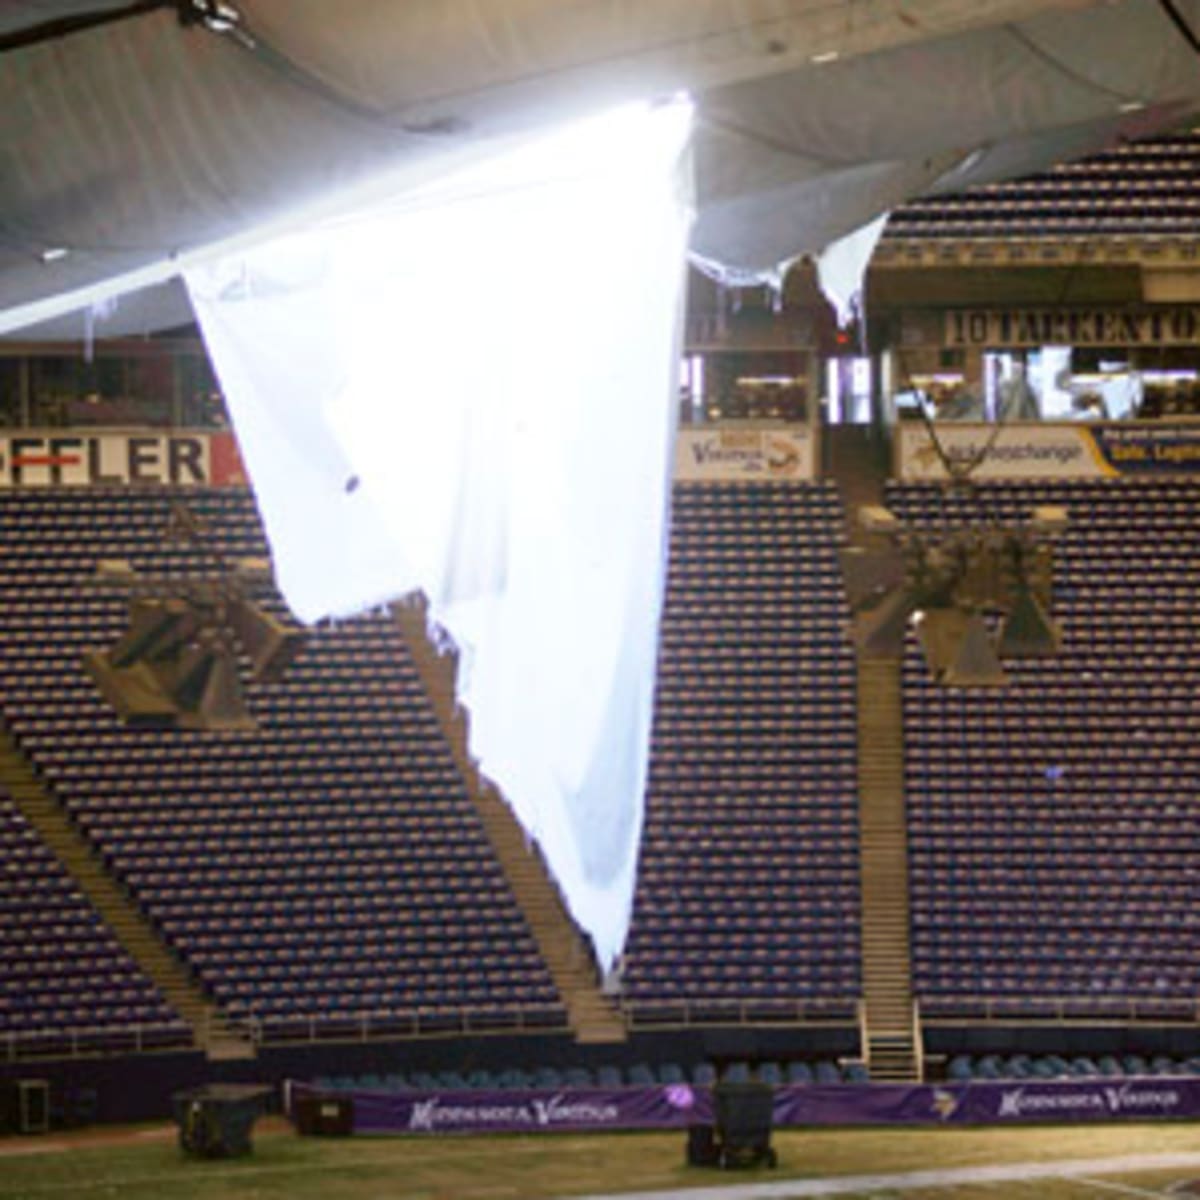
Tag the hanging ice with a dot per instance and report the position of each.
(471, 390)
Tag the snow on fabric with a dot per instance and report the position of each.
(470, 391)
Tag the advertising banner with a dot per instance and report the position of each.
(1050, 451)
(90, 458)
(988, 1102)
(677, 1106)
(573, 1110)
(732, 454)
(1177, 325)
(1149, 448)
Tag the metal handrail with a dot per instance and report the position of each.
(161, 1037)
(740, 1010)
(77, 1040)
(150, 1037)
(917, 1040)
(1073, 1008)
(401, 1023)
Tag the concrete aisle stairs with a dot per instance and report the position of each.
(890, 1037)
(119, 912)
(592, 1016)
(858, 459)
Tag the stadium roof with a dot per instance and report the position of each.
(134, 136)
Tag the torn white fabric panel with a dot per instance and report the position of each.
(757, 234)
(842, 266)
(471, 391)
(268, 325)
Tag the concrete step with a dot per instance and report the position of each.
(229, 1050)
(590, 1014)
(883, 848)
(607, 1035)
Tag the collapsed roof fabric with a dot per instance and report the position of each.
(407, 427)
(137, 144)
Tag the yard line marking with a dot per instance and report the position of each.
(1110, 1186)
(797, 1189)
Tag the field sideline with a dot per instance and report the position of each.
(146, 1163)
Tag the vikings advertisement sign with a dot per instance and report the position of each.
(680, 1105)
(734, 454)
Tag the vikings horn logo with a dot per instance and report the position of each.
(945, 1103)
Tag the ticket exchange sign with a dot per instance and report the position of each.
(1049, 451)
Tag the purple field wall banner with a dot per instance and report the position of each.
(568, 1109)
(989, 1103)
(679, 1105)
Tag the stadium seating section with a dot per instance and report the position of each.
(963, 1068)
(329, 868)
(60, 967)
(701, 1074)
(1135, 189)
(747, 902)
(325, 869)
(1054, 827)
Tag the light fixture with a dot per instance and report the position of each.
(176, 666)
(948, 584)
(215, 15)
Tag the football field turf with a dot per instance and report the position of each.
(146, 1163)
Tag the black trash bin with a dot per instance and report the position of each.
(320, 1115)
(215, 1120)
(745, 1113)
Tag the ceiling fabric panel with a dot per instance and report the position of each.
(791, 162)
(490, 64)
(19, 15)
(129, 149)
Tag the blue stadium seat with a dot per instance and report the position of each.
(302, 871)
